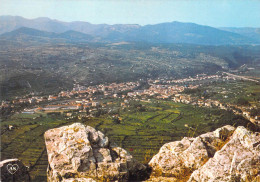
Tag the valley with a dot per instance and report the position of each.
(49, 68)
(137, 116)
(142, 86)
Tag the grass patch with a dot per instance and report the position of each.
(141, 133)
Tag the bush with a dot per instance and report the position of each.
(117, 120)
(242, 101)
(255, 112)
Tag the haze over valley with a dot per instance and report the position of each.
(168, 32)
(168, 91)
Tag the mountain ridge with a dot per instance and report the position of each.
(168, 32)
(251, 32)
(27, 34)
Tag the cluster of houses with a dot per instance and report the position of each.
(114, 88)
(160, 91)
(78, 91)
(85, 98)
(236, 109)
(199, 77)
(106, 90)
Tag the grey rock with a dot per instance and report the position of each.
(238, 160)
(180, 158)
(81, 153)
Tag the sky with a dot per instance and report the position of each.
(216, 13)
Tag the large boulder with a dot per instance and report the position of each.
(80, 153)
(14, 170)
(227, 154)
(180, 158)
(238, 160)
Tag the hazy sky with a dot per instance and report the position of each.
(229, 13)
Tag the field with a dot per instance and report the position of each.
(26, 141)
(141, 128)
(231, 91)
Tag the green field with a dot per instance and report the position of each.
(143, 129)
(231, 91)
(26, 141)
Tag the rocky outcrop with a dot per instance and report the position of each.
(14, 170)
(227, 154)
(238, 160)
(80, 153)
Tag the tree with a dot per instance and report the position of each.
(117, 120)
(255, 112)
(242, 101)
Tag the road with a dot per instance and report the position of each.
(241, 77)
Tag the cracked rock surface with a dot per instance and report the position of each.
(238, 160)
(80, 153)
(227, 154)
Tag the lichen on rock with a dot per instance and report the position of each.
(238, 160)
(78, 152)
(227, 154)
(180, 158)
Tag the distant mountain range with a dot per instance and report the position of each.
(253, 33)
(30, 34)
(45, 29)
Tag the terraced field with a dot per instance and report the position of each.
(26, 141)
(142, 133)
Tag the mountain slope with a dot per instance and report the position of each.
(253, 33)
(75, 36)
(28, 31)
(173, 32)
(177, 32)
(28, 34)
(10, 23)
